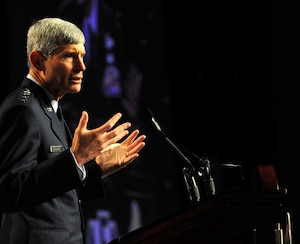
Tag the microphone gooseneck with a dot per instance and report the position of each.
(158, 128)
(192, 176)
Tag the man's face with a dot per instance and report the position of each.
(63, 70)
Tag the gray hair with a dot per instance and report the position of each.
(47, 34)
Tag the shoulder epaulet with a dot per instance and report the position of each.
(24, 95)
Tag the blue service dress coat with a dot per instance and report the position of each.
(40, 186)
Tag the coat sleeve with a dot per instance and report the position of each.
(92, 187)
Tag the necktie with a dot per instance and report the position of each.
(65, 127)
(59, 113)
(60, 117)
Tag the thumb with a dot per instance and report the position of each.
(82, 125)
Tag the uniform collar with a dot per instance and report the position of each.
(54, 102)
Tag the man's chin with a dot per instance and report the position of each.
(75, 89)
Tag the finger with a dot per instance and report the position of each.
(139, 140)
(117, 134)
(130, 138)
(133, 154)
(109, 124)
(136, 146)
(82, 124)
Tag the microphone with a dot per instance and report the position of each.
(158, 128)
(189, 171)
(207, 178)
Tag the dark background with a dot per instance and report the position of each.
(221, 78)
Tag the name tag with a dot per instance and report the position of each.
(56, 148)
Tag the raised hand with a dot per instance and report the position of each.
(116, 156)
(87, 144)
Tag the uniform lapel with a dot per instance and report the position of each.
(56, 125)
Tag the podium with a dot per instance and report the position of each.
(228, 218)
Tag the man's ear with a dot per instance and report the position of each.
(37, 60)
